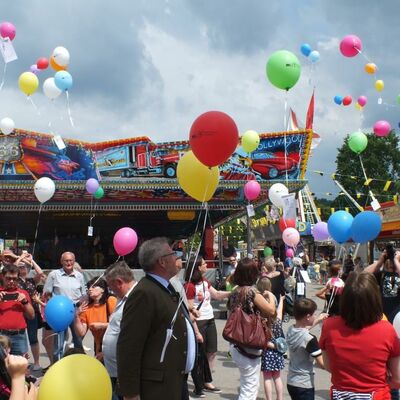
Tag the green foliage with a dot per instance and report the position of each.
(381, 161)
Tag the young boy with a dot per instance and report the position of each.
(303, 350)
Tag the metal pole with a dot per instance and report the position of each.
(249, 248)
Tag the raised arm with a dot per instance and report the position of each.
(218, 294)
(374, 267)
(267, 308)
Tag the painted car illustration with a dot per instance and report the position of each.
(273, 165)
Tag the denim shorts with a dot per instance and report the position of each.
(19, 344)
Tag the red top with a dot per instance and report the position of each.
(358, 358)
(12, 311)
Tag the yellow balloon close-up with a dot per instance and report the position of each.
(196, 179)
(379, 85)
(76, 377)
(250, 141)
(28, 83)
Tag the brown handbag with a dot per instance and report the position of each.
(248, 330)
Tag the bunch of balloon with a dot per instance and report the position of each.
(125, 241)
(7, 35)
(312, 55)
(44, 189)
(366, 226)
(76, 377)
(7, 126)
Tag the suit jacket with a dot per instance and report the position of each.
(147, 315)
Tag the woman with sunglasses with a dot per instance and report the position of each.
(199, 292)
(95, 314)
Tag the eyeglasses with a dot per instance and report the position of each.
(11, 278)
(174, 253)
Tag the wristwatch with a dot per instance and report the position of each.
(24, 302)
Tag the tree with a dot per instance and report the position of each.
(381, 161)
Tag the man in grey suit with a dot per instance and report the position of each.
(156, 346)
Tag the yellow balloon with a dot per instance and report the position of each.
(359, 107)
(28, 82)
(379, 85)
(76, 377)
(250, 141)
(196, 179)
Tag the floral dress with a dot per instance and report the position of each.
(272, 360)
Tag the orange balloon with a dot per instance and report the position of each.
(370, 68)
(55, 66)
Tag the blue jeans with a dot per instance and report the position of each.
(59, 342)
(115, 396)
(19, 344)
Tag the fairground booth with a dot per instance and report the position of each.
(138, 188)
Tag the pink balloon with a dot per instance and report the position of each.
(362, 101)
(289, 253)
(252, 190)
(291, 237)
(350, 45)
(125, 241)
(382, 128)
(7, 30)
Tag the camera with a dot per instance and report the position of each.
(390, 251)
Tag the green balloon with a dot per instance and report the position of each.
(398, 98)
(283, 69)
(267, 252)
(99, 193)
(358, 142)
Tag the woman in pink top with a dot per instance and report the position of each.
(360, 350)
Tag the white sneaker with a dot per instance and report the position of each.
(86, 348)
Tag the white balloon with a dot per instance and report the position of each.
(7, 125)
(44, 189)
(61, 56)
(276, 192)
(50, 89)
(396, 324)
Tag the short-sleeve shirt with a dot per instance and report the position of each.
(12, 311)
(60, 283)
(200, 292)
(389, 283)
(98, 313)
(358, 358)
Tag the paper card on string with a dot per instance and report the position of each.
(304, 275)
(90, 231)
(301, 289)
(59, 142)
(375, 204)
(7, 51)
(289, 206)
(250, 210)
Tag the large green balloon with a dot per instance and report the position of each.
(283, 69)
(358, 142)
(267, 252)
(99, 193)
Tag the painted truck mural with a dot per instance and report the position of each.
(26, 155)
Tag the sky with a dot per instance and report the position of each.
(149, 68)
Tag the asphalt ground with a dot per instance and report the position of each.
(226, 375)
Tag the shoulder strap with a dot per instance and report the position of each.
(204, 296)
(107, 310)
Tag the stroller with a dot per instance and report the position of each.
(289, 285)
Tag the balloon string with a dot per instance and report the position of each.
(36, 232)
(29, 98)
(364, 55)
(69, 110)
(3, 79)
(284, 137)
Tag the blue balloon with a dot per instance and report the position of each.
(366, 226)
(59, 313)
(338, 100)
(339, 226)
(314, 56)
(63, 80)
(305, 49)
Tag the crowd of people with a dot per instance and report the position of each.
(152, 334)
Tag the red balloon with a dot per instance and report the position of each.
(347, 100)
(214, 136)
(287, 223)
(42, 63)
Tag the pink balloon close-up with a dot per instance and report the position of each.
(382, 128)
(291, 237)
(350, 45)
(362, 101)
(252, 190)
(7, 30)
(125, 241)
(289, 253)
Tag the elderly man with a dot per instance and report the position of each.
(120, 280)
(68, 282)
(156, 345)
(15, 304)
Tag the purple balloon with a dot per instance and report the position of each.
(33, 68)
(92, 185)
(320, 231)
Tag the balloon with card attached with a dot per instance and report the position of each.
(358, 142)
(28, 83)
(125, 241)
(44, 189)
(63, 80)
(7, 30)
(275, 193)
(50, 90)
